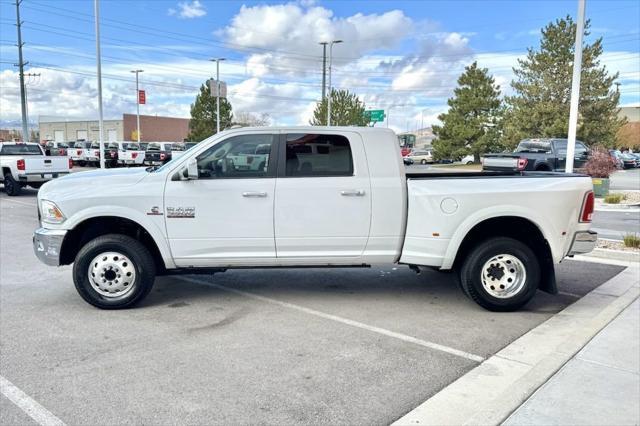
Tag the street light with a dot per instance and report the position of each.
(136, 72)
(96, 9)
(217, 61)
(329, 97)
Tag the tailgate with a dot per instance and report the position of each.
(501, 162)
(46, 165)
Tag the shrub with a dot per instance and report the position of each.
(631, 240)
(600, 165)
(613, 198)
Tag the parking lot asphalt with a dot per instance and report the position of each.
(357, 346)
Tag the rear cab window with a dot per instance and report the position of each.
(317, 155)
(20, 149)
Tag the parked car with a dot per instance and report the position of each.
(132, 155)
(537, 154)
(422, 157)
(78, 152)
(628, 161)
(93, 154)
(158, 153)
(637, 157)
(407, 161)
(26, 164)
(56, 148)
(326, 197)
(112, 153)
(616, 159)
(467, 159)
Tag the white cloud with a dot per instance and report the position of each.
(188, 10)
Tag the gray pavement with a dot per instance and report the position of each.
(296, 346)
(615, 224)
(625, 179)
(599, 386)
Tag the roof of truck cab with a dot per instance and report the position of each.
(311, 129)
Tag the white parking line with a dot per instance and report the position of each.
(18, 202)
(388, 333)
(27, 404)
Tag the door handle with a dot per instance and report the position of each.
(259, 194)
(352, 193)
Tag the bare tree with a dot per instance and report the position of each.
(250, 119)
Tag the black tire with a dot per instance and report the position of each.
(471, 273)
(36, 185)
(82, 163)
(11, 187)
(141, 260)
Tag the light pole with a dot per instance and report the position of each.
(136, 72)
(217, 61)
(96, 8)
(575, 89)
(324, 68)
(330, 90)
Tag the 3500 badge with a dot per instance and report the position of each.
(181, 212)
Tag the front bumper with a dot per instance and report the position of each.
(583, 242)
(47, 244)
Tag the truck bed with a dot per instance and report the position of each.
(488, 174)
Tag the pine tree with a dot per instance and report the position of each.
(540, 107)
(472, 124)
(346, 110)
(203, 115)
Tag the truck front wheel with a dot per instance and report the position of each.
(11, 187)
(113, 272)
(500, 274)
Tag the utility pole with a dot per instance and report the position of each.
(324, 69)
(21, 64)
(575, 88)
(26, 98)
(217, 61)
(330, 90)
(96, 8)
(136, 72)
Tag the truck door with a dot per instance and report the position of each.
(323, 198)
(225, 217)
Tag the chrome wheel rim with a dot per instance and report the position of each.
(112, 274)
(503, 276)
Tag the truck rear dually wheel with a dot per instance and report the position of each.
(500, 274)
(11, 187)
(113, 272)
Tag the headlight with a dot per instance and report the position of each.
(50, 212)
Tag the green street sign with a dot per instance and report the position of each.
(375, 115)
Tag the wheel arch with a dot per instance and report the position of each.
(517, 227)
(96, 226)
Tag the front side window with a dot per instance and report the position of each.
(312, 155)
(237, 157)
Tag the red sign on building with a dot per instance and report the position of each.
(142, 97)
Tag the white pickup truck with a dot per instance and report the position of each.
(25, 164)
(327, 196)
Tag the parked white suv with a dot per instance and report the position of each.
(422, 157)
(325, 197)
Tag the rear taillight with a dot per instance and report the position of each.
(522, 163)
(20, 164)
(113, 154)
(588, 205)
(162, 156)
(61, 152)
(70, 163)
(96, 153)
(134, 155)
(79, 153)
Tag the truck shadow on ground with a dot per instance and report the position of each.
(375, 286)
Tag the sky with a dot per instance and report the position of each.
(400, 56)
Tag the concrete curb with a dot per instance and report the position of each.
(489, 393)
(619, 208)
(625, 256)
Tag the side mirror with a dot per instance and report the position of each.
(192, 169)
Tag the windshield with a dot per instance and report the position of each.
(177, 147)
(82, 144)
(21, 149)
(113, 145)
(153, 146)
(133, 147)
